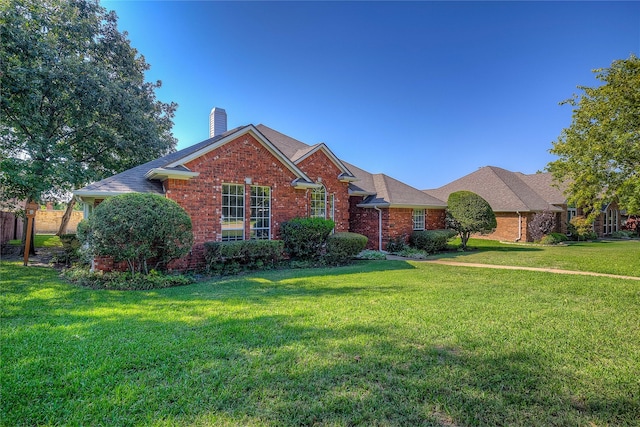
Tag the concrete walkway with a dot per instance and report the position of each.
(513, 267)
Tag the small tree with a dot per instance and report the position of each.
(542, 224)
(469, 213)
(581, 227)
(138, 228)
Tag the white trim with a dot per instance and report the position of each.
(322, 146)
(163, 174)
(303, 185)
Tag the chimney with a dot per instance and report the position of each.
(217, 122)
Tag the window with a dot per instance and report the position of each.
(260, 213)
(318, 203)
(610, 221)
(571, 212)
(232, 212)
(418, 219)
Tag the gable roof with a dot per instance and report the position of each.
(507, 191)
(378, 189)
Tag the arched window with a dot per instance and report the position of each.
(318, 206)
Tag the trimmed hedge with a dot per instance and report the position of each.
(305, 238)
(342, 247)
(431, 241)
(232, 257)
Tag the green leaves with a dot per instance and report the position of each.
(469, 213)
(75, 106)
(599, 153)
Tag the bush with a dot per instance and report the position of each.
(370, 254)
(622, 234)
(232, 257)
(397, 244)
(138, 228)
(71, 247)
(124, 281)
(553, 239)
(632, 224)
(305, 238)
(581, 228)
(431, 241)
(541, 225)
(342, 247)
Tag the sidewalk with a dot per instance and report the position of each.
(513, 267)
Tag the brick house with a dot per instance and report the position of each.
(516, 198)
(244, 183)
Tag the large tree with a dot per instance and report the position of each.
(599, 153)
(75, 106)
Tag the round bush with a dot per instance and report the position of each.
(305, 238)
(342, 247)
(138, 228)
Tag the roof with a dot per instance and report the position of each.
(507, 191)
(378, 189)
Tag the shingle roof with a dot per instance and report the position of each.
(380, 189)
(506, 191)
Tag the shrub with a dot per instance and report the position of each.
(71, 246)
(542, 224)
(413, 253)
(622, 234)
(469, 213)
(138, 228)
(397, 244)
(581, 228)
(342, 247)
(231, 257)
(305, 238)
(431, 241)
(124, 281)
(553, 239)
(632, 224)
(370, 254)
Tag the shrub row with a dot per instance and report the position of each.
(431, 241)
(232, 257)
(124, 281)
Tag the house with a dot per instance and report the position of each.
(516, 198)
(245, 182)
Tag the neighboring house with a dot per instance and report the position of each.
(514, 197)
(244, 183)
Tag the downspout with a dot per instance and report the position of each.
(379, 228)
(519, 226)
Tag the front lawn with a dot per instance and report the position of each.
(376, 343)
(603, 256)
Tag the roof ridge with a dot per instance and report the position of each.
(509, 185)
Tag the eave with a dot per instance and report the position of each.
(162, 174)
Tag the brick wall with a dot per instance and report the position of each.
(233, 163)
(396, 222)
(48, 222)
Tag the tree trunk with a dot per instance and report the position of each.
(66, 217)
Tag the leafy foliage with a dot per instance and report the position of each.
(632, 224)
(138, 228)
(397, 244)
(124, 281)
(469, 213)
(305, 238)
(231, 257)
(75, 107)
(542, 224)
(431, 241)
(581, 228)
(599, 153)
(343, 247)
(553, 239)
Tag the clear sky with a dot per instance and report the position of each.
(425, 92)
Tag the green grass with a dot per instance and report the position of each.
(604, 256)
(41, 241)
(376, 343)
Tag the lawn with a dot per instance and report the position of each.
(41, 241)
(376, 343)
(603, 256)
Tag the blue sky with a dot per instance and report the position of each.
(425, 92)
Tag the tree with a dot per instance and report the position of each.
(75, 107)
(599, 153)
(469, 213)
(138, 228)
(542, 224)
